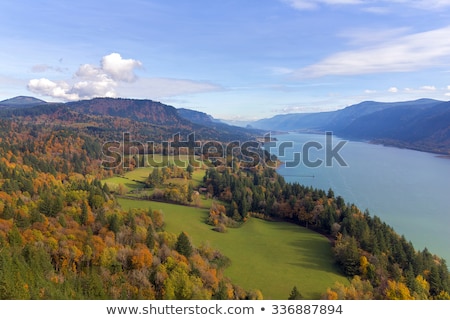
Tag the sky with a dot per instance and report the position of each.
(233, 59)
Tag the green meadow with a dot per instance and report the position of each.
(270, 256)
(114, 183)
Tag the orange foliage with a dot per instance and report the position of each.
(142, 257)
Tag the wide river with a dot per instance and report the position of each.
(409, 190)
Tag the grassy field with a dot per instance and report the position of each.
(141, 174)
(270, 256)
(114, 182)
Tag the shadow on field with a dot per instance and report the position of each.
(313, 252)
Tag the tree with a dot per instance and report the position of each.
(190, 192)
(397, 291)
(330, 194)
(183, 245)
(84, 213)
(347, 254)
(295, 294)
(190, 170)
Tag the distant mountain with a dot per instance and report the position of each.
(139, 110)
(21, 102)
(425, 129)
(238, 123)
(196, 116)
(294, 121)
(422, 124)
(334, 120)
(205, 119)
(146, 119)
(156, 113)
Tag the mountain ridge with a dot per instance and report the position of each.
(406, 124)
(21, 101)
(153, 119)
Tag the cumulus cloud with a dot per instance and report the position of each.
(120, 69)
(90, 81)
(60, 90)
(113, 75)
(401, 54)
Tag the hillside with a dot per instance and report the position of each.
(21, 102)
(110, 117)
(139, 110)
(196, 116)
(421, 124)
(204, 119)
(165, 117)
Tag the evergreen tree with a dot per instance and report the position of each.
(183, 245)
(84, 213)
(190, 170)
(295, 294)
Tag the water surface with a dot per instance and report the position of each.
(407, 189)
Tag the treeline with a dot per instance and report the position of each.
(383, 264)
(172, 192)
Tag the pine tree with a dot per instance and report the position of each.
(295, 294)
(183, 245)
(84, 213)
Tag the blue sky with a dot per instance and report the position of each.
(233, 59)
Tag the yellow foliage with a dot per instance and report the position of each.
(397, 291)
(364, 264)
(331, 295)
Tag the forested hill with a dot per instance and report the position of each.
(139, 110)
(21, 102)
(110, 117)
(422, 124)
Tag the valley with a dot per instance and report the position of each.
(85, 214)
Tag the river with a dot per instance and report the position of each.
(407, 189)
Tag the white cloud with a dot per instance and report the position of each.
(374, 8)
(120, 69)
(405, 53)
(60, 90)
(377, 10)
(366, 36)
(393, 89)
(115, 75)
(90, 81)
(313, 4)
(428, 88)
(424, 4)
